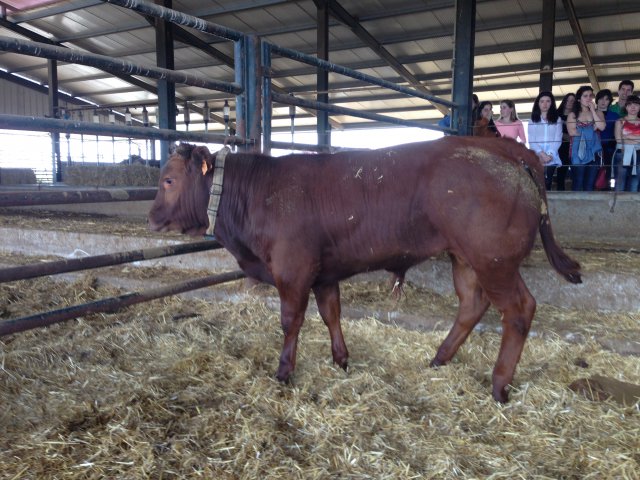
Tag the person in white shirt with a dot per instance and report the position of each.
(545, 134)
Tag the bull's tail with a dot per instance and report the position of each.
(563, 263)
(559, 260)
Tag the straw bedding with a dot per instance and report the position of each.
(182, 388)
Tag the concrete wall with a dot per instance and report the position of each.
(596, 216)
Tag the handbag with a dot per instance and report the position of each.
(601, 177)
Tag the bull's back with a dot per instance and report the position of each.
(467, 195)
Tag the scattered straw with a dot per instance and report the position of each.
(184, 389)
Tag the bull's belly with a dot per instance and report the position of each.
(340, 269)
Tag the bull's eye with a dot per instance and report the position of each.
(168, 182)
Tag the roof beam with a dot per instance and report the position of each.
(601, 10)
(430, 57)
(582, 46)
(40, 88)
(343, 16)
(490, 89)
(484, 50)
(192, 40)
(39, 38)
(60, 8)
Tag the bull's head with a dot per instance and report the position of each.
(183, 192)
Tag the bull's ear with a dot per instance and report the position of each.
(202, 159)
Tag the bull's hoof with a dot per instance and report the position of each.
(500, 395)
(435, 363)
(343, 364)
(284, 378)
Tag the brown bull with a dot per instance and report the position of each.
(305, 222)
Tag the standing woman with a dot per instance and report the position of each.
(604, 98)
(483, 125)
(628, 148)
(509, 125)
(545, 134)
(582, 125)
(566, 105)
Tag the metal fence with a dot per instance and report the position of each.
(254, 97)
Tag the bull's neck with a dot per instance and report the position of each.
(215, 191)
(245, 181)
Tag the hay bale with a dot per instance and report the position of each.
(111, 175)
(17, 176)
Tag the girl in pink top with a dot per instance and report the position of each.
(508, 124)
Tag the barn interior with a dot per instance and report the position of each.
(182, 386)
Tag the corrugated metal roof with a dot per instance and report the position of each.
(418, 34)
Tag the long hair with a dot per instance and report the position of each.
(512, 106)
(481, 105)
(577, 106)
(564, 102)
(552, 114)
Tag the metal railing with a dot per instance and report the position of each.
(110, 304)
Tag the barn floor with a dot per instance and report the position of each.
(182, 387)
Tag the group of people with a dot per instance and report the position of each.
(587, 135)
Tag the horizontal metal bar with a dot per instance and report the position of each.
(308, 147)
(112, 65)
(291, 100)
(305, 147)
(38, 124)
(178, 18)
(25, 198)
(34, 270)
(112, 304)
(332, 67)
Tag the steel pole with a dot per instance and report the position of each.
(112, 304)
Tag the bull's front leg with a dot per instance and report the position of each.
(293, 304)
(328, 300)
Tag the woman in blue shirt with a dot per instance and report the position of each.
(582, 124)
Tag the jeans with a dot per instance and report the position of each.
(548, 176)
(584, 176)
(625, 182)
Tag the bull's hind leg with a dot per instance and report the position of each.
(473, 304)
(517, 306)
(328, 300)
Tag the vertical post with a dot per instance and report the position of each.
(249, 103)
(266, 98)
(292, 118)
(54, 113)
(112, 121)
(206, 116)
(323, 128)
(546, 48)
(239, 69)
(464, 37)
(166, 89)
(226, 111)
(67, 116)
(96, 119)
(81, 140)
(187, 116)
(127, 122)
